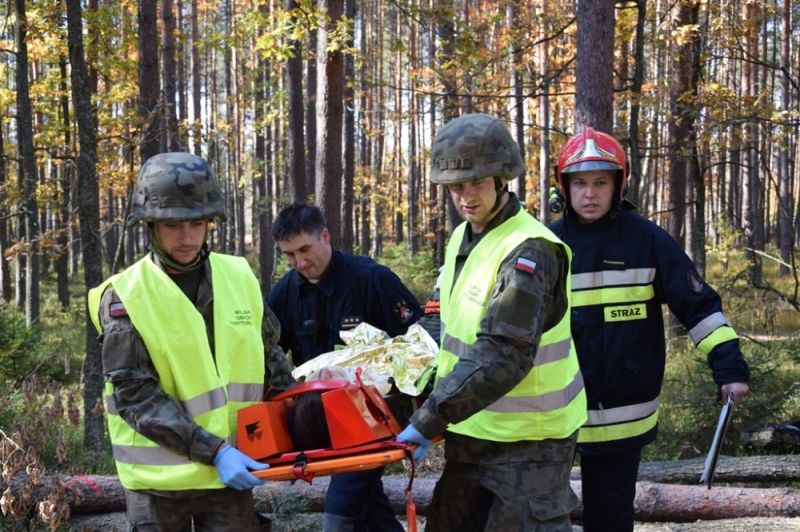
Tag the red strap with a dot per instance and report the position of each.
(411, 507)
(299, 469)
(376, 401)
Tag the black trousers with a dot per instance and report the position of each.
(608, 483)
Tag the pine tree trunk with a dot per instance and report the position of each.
(329, 123)
(88, 211)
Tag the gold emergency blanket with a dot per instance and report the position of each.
(403, 358)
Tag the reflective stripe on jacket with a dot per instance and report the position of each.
(211, 388)
(550, 401)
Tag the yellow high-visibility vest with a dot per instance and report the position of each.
(210, 388)
(550, 402)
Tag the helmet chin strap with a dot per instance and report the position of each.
(500, 188)
(168, 261)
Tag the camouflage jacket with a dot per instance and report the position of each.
(501, 356)
(137, 394)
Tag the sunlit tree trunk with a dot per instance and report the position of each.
(785, 182)
(752, 200)
(545, 172)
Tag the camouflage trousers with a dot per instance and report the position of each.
(507, 497)
(219, 511)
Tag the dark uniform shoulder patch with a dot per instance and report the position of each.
(117, 310)
(695, 281)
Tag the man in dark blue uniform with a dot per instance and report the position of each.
(325, 292)
(623, 269)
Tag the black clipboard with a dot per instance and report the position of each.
(710, 465)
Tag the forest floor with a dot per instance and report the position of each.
(115, 522)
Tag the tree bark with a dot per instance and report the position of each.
(66, 177)
(543, 52)
(197, 127)
(329, 123)
(682, 123)
(752, 200)
(88, 212)
(635, 172)
(148, 79)
(169, 72)
(263, 201)
(349, 134)
(594, 85)
(785, 192)
(28, 166)
(296, 115)
(5, 240)
(514, 12)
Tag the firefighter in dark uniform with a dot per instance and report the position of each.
(509, 393)
(624, 268)
(327, 291)
(186, 342)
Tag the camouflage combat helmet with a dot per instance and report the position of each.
(176, 186)
(472, 147)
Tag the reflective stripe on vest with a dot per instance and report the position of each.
(211, 393)
(550, 401)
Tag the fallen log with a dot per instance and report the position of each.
(654, 501)
(676, 503)
(730, 469)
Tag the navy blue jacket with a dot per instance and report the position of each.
(352, 290)
(624, 268)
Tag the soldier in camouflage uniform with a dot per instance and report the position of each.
(509, 394)
(186, 341)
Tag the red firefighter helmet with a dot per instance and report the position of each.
(591, 150)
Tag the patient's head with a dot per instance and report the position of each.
(307, 424)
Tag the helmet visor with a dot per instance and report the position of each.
(586, 166)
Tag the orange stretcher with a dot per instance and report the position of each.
(306, 466)
(361, 426)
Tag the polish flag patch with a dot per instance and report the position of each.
(525, 265)
(117, 310)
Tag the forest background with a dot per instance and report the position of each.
(337, 102)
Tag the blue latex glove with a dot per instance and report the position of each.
(410, 434)
(234, 468)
